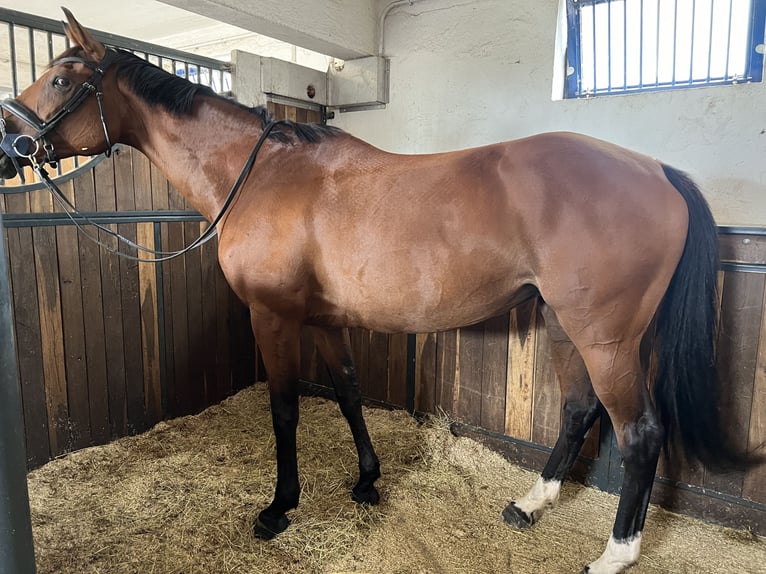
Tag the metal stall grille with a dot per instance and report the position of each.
(623, 46)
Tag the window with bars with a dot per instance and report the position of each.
(625, 46)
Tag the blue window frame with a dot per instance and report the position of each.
(626, 46)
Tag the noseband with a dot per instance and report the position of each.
(26, 146)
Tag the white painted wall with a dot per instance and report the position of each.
(471, 72)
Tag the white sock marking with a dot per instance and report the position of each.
(617, 556)
(543, 495)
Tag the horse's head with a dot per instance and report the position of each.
(63, 113)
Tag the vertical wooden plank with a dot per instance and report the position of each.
(197, 347)
(129, 293)
(149, 316)
(494, 375)
(737, 355)
(360, 350)
(470, 357)
(546, 410)
(313, 117)
(208, 263)
(397, 370)
(378, 366)
(51, 329)
(74, 333)
(93, 318)
(425, 373)
(181, 398)
(27, 325)
(754, 486)
(447, 373)
(112, 305)
(301, 115)
(521, 357)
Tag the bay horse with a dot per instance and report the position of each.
(329, 232)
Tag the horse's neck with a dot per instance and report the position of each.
(199, 154)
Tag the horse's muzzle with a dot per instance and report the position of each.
(7, 169)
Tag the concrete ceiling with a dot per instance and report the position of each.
(343, 29)
(170, 26)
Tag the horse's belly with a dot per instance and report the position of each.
(420, 307)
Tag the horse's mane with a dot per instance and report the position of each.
(175, 94)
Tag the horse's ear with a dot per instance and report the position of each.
(79, 36)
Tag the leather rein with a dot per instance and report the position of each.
(27, 147)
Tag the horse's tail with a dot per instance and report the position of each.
(686, 389)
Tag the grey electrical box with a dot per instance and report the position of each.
(359, 83)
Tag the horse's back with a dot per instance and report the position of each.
(430, 242)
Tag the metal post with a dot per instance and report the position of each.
(16, 549)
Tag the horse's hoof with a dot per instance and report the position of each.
(516, 517)
(365, 495)
(267, 528)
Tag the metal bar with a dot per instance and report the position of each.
(608, 46)
(32, 63)
(574, 54)
(710, 41)
(12, 57)
(657, 49)
(641, 48)
(743, 267)
(593, 17)
(675, 40)
(16, 546)
(625, 43)
(740, 230)
(691, 49)
(728, 42)
(103, 218)
(755, 38)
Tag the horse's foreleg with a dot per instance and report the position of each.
(620, 384)
(335, 347)
(279, 341)
(580, 408)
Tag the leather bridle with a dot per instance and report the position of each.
(27, 146)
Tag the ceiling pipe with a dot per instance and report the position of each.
(382, 22)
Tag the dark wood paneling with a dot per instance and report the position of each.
(93, 318)
(29, 345)
(741, 310)
(470, 359)
(494, 373)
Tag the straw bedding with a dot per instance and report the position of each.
(181, 499)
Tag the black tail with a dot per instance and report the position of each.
(686, 390)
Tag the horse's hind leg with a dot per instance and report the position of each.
(335, 347)
(580, 408)
(619, 381)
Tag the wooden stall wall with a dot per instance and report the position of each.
(107, 346)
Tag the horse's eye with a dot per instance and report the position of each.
(61, 82)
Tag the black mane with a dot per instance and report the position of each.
(174, 94)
